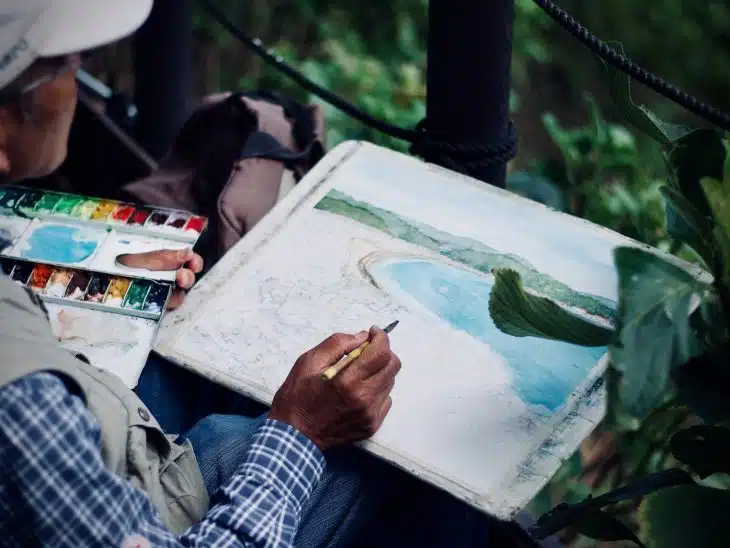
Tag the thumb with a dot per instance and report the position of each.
(161, 259)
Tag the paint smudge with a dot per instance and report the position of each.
(21, 272)
(61, 244)
(77, 287)
(157, 297)
(39, 278)
(139, 217)
(59, 282)
(123, 213)
(97, 288)
(104, 209)
(66, 205)
(196, 224)
(84, 210)
(137, 295)
(158, 218)
(117, 290)
(47, 202)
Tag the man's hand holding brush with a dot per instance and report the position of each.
(350, 406)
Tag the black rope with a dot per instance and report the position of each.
(469, 158)
(629, 67)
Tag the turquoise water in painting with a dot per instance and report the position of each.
(61, 244)
(544, 373)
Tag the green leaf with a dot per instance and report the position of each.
(599, 525)
(642, 119)
(654, 334)
(520, 314)
(704, 448)
(689, 225)
(685, 516)
(695, 156)
(718, 195)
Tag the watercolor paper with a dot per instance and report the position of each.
(370, 236)
(114, 342)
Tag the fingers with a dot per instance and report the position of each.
(374, 358)
(184, 278)
(384, 379)
(160, 259)
(329, 351)
(176, 299)
(195, 264)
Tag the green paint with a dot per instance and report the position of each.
(84, 210)
(136, 295)
(66, 205)
(48, 202)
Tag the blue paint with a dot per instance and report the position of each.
(61, 244)
(544, 373)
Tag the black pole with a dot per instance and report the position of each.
(468, 74)
(162, 65)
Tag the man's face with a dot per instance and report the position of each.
(34, 130)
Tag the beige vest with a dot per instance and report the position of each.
(133, 445)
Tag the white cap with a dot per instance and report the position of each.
(30, 29)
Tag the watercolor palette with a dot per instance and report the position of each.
(123, 217)
(93, 290)
(66, 248)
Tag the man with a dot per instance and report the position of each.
(84, 462)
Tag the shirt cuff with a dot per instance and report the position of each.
(287, 458)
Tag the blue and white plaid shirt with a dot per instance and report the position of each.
(55, 490)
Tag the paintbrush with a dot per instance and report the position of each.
(346, 360)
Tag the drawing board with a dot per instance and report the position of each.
(371, 236)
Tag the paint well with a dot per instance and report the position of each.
(78, 285)
(59, 282)
(137, 295)
(116, 292)
(157, 297)
(97, 288)
(66, 205)
(47, 202)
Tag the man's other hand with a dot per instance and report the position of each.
(185, 261)
(350, 407)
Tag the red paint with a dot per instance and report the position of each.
(196, 223)
(139, 217)
(41, 275)
(123, 213)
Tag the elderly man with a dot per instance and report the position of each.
(84, 462)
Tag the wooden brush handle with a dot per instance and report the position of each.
(332, 371)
